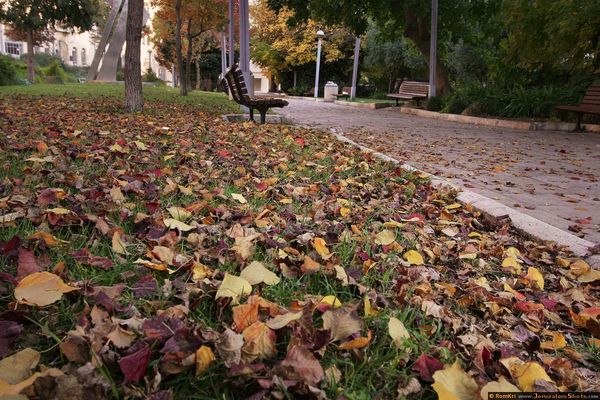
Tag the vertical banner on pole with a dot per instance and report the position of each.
(433, 48)
(355, 68)
(318, 68)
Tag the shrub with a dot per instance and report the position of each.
(456, 105)
(150, 76)
(8, 71)
(435, 104)
(54, 73)
(299, 90)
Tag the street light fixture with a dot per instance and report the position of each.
(320, 36)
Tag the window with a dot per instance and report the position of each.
(74, 55)
(83, 57)
(13, 48)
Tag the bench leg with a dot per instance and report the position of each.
(397, 104)
(263, 116)
(252, 114)
(578, 125)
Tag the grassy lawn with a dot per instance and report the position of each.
(208, 260)
(370, 100)
(208, 101)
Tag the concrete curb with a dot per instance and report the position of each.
(532, 227)
(500, 123)
(370, 106)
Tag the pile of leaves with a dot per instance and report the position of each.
(173, 255)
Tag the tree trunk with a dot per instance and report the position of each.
(178, 49)
(188, 59)
(30, 62)
(134, 101)
(416, 28)
(198, 73)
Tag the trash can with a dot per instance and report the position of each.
(331, 89)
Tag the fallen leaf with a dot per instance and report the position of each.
(234, 287)
(118, 245)
(204, 357)
(256, 273)
(426, 366)
(501, 386)
(151, 265)
(512, 264)
(309, 265)
(414, 257)
(17, 368)
(331, 301)
(239, 198)
(357, 343)
(342, 322)
(134, 365)
(453, 383)
(535, 276)
(180, 214)
(385, 237)
(121, 338)
(283, 320)
(259, 342)
(527, 374)
(41, 289)
(172, 223)
(398, 332)
(304, 366)
(321, 247)
(558, 342)
(27, 263)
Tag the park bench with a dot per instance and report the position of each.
(345, 93)
(411, 90)
(589, 105)
(239, 92)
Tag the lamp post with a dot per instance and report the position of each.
(150, 60)
(320, 36)
(433, 49)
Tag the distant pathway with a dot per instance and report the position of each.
(552, 176)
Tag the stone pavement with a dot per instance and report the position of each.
(551, 176)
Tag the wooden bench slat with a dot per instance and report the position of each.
(590, 104)
(411, 90)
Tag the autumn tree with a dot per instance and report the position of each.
(133, 70)
(32, 20)
(278, 47)
(184, 21)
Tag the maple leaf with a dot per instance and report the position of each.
(134, 365)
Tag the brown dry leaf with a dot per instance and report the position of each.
(244, 246)
(229, 347)
(592, 275)
(342, 322)
(172, 223)
(304, 365)
(204, 357)
(49, 239)
(164, 254)
(239, 197)
(558, 342)
(151, 265)
(245, 315)
(116, 194)
(180, 214)
(234, 287)
(17, 367)
(41, 289)
(200, 271)
(259, 342)
(309, 265)
(453, 383)
(121, 338)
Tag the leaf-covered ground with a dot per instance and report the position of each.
(173, 255)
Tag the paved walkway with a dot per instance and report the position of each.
(551, 176)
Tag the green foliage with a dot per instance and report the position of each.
(299, 90)
(54, 73)
(435, 104)
(150, 76)
(8, 71)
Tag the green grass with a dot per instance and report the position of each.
(208, 101)
(369, 100)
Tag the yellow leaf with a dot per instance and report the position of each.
(558, 342)
(200, 271)
(453, 383)
(41, 289)
(185, 190)
(140, 145)
(259, 342)
(453, 206)
(475, 235)
(357, 343)
(151, 265)
(512, 264)
(256, 273)
(369, 310)
(280, 321)
(344, 211)
(118, 245)
(385, 237)
(502, 386)
(527, 373)
(534, 275)
(204, 357)
(309, 265)
(178, 213)
(414, 257)
(49, 239)
(398, 332)
(321, 247)
(116, 195)
(172, 223)
(234, 287)
(592, 275)
(239, 197)
(331, 300)
(58, 211)
(392, 224)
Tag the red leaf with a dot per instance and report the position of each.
(299, 141)
(426, 367)
(224, 153)
(134, 365)
(27, 263)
